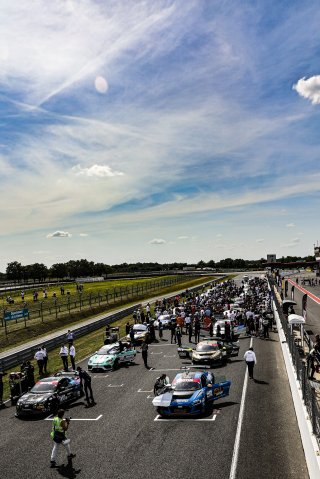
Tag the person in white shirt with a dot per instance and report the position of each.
(72, 354)
(45, 359)
(251, 360)
(64, 356)
(39, 357)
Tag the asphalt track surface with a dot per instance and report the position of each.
(121, 437)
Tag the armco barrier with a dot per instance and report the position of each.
(27, 353)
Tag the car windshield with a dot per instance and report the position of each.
(187, 385)
(44, 388)
(201, 347)
(140, 328)
(108, 350)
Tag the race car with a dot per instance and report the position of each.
(165, 319)
(140, 333)
(47, 395)
(231, 348)
(111, 356)
(206, 352)
(191, 393)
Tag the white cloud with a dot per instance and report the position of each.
(157, 241)
(260, 240)
(83, 234)
(59, 234)
(219, 236)
(99, 171)
(183, 237)
(309, 88)
(290, 225)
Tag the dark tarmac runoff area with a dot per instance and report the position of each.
(123, 437)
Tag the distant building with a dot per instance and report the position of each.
(271, 258)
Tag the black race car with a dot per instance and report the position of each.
(47, 395)
(231, 348)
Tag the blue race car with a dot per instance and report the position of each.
(190, 394)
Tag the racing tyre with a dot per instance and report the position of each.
(204, 406)
(159, 411)
(116, 364)
(54, 406)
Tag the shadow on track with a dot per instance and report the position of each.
(257, 381)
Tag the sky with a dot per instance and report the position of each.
(158, 130)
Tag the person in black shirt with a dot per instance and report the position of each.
(85, 383)
(144, 351)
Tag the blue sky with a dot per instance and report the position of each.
(163, 130)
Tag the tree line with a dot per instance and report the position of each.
(17, 272)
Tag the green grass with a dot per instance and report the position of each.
(84, 345)
(19, 334)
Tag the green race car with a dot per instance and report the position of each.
(111, 356)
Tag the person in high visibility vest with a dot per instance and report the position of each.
(58, 435)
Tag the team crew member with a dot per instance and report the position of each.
(64, 356)
(58, 435)
(85, 383)
(251, 360)
(39, 358)
(69, 336)
(144, 351)
(160, 384)
(45, 359)
(72, 354)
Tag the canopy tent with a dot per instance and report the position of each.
(296, 319)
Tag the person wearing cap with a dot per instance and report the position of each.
(251, 360)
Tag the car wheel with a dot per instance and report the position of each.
(116, 364)
(160, 411)
(204, 406)
(54, 406)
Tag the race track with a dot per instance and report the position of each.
(122, 437)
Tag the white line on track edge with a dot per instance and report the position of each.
(236, 446)
(49, 418)
(186, 420)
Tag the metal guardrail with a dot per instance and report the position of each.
(301, 368)
(25, 354)
(28, 353)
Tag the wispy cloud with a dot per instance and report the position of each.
(100, 171)
(59, 234)
(290, 225)
(157, 241)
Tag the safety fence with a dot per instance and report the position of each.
(301, 366)
(67, 303)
